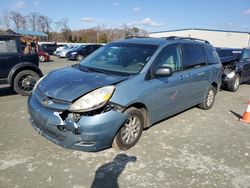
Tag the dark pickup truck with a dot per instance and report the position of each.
(236, 67)
(19, 64)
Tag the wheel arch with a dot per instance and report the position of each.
(215, 85)
(20, 67)
(144, 110)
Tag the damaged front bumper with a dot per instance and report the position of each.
(228, 76)
(88, 133)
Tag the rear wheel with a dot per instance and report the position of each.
(131, 130)
(209, 99)
(25, 81)
(79, 57)
(234, 83)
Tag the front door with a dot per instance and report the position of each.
(245, 61)
(168, 93)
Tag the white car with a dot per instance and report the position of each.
(64, 52)
(61, 48)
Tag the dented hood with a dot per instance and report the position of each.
(228, 59)
(68, 84)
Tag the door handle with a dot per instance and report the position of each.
(200, 73)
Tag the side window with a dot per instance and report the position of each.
(193, 56)
(8, 46)
(170, 56)
(211, 54)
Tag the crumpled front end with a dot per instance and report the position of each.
(229, 71)
(88, 131)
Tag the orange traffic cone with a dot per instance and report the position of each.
(246, 116)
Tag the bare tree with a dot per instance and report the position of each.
(18, 19)
(44, 23)
(33, 18)
(6, 19)
(63, 26)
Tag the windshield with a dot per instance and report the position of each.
(120, 58)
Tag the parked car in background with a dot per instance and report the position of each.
(64, 52)
(43, 56)
(61, 48)
(82, 52)
(19, 67)
(236, 65)
(123, 88)
(48, 47)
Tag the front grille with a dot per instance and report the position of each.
(50, 102)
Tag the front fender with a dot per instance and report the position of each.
(23, 66)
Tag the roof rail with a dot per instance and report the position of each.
(186, 38)
(131, 37)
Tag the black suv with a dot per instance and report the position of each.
(82, 51)
(236, 65)
(18, 65)
(48, 47)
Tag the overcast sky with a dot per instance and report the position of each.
(152, 15)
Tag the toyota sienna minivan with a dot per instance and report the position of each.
(122, 88)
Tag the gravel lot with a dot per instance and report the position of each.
(195, 148)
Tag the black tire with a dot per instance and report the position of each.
(234, 83)
(209, 99)
(79, 57)
(24, 82)
(132, 126)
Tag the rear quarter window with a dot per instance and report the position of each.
(211, 54)
(193, 56)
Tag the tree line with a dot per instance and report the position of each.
(60, 31)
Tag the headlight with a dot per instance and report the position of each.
(73, 53)
(231, 74)
(93, 100)
(35, 86)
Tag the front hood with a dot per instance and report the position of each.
(228, 59)
(68, 84)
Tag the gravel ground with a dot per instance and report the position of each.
(195, 148)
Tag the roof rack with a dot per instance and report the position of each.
(131, 37)
(186, 38)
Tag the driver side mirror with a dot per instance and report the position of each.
(163, 72)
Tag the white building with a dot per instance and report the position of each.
(218, 38)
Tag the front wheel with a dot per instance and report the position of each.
(234, 83)
(209, 99)
(24, 82)
(131, 130)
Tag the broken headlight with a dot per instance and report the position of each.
(93, 100)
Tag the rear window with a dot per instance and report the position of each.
(8, 46)
(193, 56)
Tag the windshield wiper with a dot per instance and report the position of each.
(91, 69)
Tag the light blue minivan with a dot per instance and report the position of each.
(122, 88)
